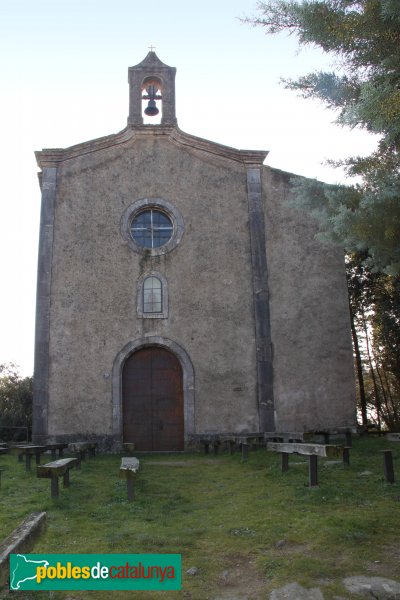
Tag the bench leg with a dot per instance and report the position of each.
(349, 442)
(53, 454)
(130, 487)
(313, 471)
(27, 461)
(388, 466)
(66, 479)
(232, 447)
(92, 452)
(20, 457)
(78, 458)
(216, 447)
(37, 456)
(285, 462)
(346, 456)
(60, 452)
(245, 451)
(206, 447)
(54, 487)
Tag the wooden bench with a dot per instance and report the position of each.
(309, 436)
(210, 440)
(129, 448)
(56, 469)
(28, 451)
(327, 433)
(312, 451)
(246, 441)
(243, 441)
(80, 449)
(128, 470)
(53, 449)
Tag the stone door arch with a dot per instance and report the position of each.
(187, 382)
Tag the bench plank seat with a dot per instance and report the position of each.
(56, 467)
(128, 470)
(306, 449)
(128, 464)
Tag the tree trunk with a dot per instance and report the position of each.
(359, 369)
(377, 396)
(396, 419)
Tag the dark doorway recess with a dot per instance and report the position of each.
(152, 400)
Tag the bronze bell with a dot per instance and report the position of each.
(151, 110)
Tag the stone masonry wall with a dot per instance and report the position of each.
(94, 277)
(310, 327)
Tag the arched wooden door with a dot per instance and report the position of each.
(152, 400)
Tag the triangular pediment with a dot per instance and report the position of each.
(54, 156)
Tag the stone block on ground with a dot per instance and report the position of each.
(373, 587)
(294, 591)
(21, 540)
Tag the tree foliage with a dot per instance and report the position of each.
(15, 401)
(364, 38)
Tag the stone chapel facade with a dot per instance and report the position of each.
(178, 292)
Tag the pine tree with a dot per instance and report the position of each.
(364, 38)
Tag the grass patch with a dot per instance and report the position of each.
(247, 527)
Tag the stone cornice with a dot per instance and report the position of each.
(248, 157)
(52, 157)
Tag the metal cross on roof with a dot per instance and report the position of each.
(151, 48)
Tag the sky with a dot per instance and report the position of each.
(63, 80)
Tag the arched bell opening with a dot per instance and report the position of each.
(152, 100)
(151, 89)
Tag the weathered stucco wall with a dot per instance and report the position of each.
(310, 328)
(95, 273)
(260, 323)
